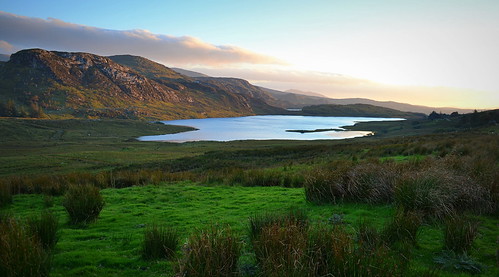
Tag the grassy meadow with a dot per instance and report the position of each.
(418, 198)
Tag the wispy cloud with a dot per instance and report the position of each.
(53, 34)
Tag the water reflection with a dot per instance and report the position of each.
(265, 127)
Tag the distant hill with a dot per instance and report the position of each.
(189, 73)
(308, 93)
(293, 100)
(4, 57)
(360, 110)
(86, 85)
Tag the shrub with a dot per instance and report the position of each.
(45, 229)
(459, 234)
(160, 242)
(83, 203)
(21, 254)
(212, 252)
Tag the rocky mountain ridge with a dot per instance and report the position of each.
(87, 85)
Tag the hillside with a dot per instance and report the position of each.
(147, 67)
(189, 73)
(67, 85)
(361, 110)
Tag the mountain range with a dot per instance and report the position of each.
(69, 85)
(298, 99)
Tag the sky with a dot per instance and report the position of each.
(434, 53)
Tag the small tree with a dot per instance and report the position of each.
(36, 111)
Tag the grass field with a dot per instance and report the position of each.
(193, 186)
(110, 246)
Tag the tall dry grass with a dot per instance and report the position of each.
(21, 253)
(211, 252)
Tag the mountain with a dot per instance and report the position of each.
(362, 110)
(86, 85)
(189, 73)
(4, 57)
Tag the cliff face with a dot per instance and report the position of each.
(83, 84)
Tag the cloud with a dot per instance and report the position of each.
(55, 34)
(6, 47)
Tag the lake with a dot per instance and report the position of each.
(265, 127)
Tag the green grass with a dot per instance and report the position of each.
(111, 246)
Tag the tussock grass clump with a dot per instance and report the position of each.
(211, 252)
(324, 185)
(281, 250)
(21, 253)
(421, 193)
(403, 227)
(439, 193)
(332, 252)
(260, 221)
(45, 229)
(459, 234)
(368, 182)
(372, 182)
(160, 242)
(265, 178)
(83, 203)
(368, 237)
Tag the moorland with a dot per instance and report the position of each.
(418, 197)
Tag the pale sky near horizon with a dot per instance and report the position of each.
(436, 53)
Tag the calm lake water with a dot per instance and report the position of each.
(264, 127)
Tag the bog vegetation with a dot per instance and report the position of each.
(399, 206)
